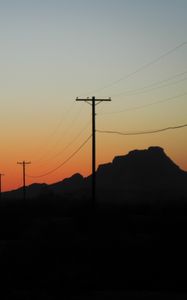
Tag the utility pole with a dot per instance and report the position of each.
(24, 163)
(93, 102)
(1, 185)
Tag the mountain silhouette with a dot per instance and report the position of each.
(69, 184)
(140, 170)
(150, 167)
(143, 174)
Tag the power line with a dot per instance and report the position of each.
(54, 131)
(61, 121)
(154, 83)
(65, 130)
(143, 67)
(153, 86)
(144, 105)
(64, 162)
(68, 145)
(142, 132)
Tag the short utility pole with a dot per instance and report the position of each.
(24, 163)
(1, 185)
(93, 102)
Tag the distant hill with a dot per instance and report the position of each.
(141, 168)
(140, 171)
(33, 191)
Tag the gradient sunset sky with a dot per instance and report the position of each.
(53, 51)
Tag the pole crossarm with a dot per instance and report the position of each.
(93, 102)
(93, 99)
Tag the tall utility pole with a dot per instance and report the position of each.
(93, 102)
(1, 184)
(24, 163)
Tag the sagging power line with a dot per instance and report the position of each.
(63, 163)
(149, 88)
(142, 132)
(151, 85)
(144, 105)
(72, 141)
(66, 128)
(143, 67)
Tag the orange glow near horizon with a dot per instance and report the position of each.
(107, 148)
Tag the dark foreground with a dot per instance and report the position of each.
(49, 251)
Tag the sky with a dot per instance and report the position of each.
(53, 51)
